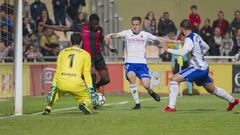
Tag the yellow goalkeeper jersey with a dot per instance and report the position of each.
(73, 64)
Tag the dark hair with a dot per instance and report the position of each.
(94, 18)
(193, 7)
(136, 18)
(185, 24)
(76, 38)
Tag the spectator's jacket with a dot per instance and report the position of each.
(195, 18)
(59, 4)
(206, 33)
(36, 9)
(166, 26)
(223, 25)
(235, 24)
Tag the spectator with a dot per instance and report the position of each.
(227, 45)
(215, 43)
(31, 39)
(221, 23)
(28, 27)
(36, 9)
(59, 7)
(194, 19)
(33, 54)
(72, 9)
(4, 20)
(7, 7)
(6, 36)
(165, 25)
(236, 40)
(149, 24)
(49, 43)
(235, 25)
(26, 8)
(206, 31)
(2, 52)
(80, 20)
(44, 18)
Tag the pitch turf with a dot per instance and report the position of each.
(196, 115)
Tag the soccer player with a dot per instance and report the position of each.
(135, 57)
(92, 39)
(197, 71)
(73, 63)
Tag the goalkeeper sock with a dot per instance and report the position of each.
(221, 93)
(173, 93)
(134, 91)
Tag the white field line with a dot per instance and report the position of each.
(71, 108)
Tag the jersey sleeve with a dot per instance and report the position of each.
(150, 36)
(187, 47)
(56, 75)
(87, 70)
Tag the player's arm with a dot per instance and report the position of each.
(205, 47)
(55, 27)
(187, 47)
(109, 37)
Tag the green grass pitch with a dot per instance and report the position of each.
(196, 115)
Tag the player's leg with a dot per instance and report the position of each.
(146, 84)
(55, 96)
(105, 79)
(131, 77)
(221, 93)
(173, 92)
(82, 96)
(94, 75)
(102, 70)
(142, 72)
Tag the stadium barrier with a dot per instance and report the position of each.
(37, 78)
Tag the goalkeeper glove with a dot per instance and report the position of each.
(51, 93)
(94, 96)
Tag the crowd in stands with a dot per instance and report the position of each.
(222, 36)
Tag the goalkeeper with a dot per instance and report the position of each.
(73, 64)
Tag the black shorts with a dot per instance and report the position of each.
(98, 62)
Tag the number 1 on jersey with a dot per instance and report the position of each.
(71, 56)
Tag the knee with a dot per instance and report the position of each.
(174, 78)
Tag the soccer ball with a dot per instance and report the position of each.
(101, 99)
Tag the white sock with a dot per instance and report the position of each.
(173, 93)
(134, 91)
(219, 92)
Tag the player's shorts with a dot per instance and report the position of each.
(141, 70)
(98, 62)
(79, 92)
(200, 77)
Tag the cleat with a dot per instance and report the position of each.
(231, 105)
(84, 109)
(137, 106)
(154, 95)
(169, 109)
(46, 111)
